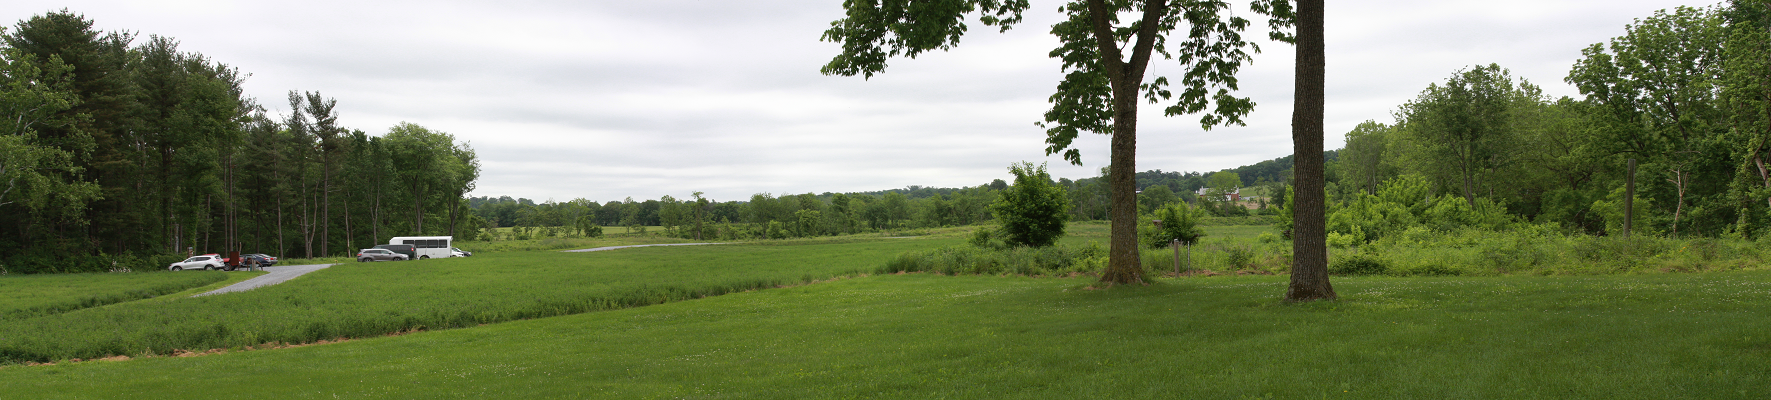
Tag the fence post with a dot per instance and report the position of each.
(1176, 245)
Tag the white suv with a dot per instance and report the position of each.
(198, 262)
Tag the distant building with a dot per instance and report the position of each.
(1235, 195)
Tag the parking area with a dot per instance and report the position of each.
(278, 274)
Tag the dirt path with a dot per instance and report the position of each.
(637, 245)
(277, 275)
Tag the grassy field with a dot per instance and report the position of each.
(928, 336)
(38, 295)
(570, 325)
(364, 300)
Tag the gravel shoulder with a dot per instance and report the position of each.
(278, 274)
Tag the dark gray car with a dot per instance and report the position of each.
(367, 255)
(410, 251)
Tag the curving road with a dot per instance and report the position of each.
(277, 275)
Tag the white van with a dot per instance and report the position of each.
(427, 246)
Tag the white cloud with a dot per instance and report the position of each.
(610, 99)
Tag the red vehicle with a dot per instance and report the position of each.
(237, 261)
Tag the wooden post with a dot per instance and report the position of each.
(1629, 201)
(1176, 244)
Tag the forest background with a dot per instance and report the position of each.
(124, 151)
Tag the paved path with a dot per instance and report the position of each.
(637, 245)
(277, 275)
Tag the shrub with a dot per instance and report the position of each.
(1033, 211)
(986, 238)
(1179, 222)
(1359, 264)
(1031, 261)
(1239, 256)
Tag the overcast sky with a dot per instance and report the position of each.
(609, 99)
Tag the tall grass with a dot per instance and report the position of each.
(37, 295)
(1030, 261)
(364, 300)
(1544, 251)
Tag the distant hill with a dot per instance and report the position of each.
(1274, 170)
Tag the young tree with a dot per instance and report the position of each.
(1179, 222)
(1103, 86)
(1032, 211)
(1222, 184)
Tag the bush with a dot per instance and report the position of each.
(1239, 256)
(986, 238)
(1179, 222)
(1359, 264)
(1033, 211)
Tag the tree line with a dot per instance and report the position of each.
(1683, 94)
(118, 152)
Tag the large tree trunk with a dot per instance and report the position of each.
(1123, 263)
(1309, 267)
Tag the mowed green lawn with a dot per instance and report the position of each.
(927, 336)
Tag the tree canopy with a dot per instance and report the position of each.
(1106, 48)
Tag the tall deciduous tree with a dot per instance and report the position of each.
(1746, 96)
(34, 177)
(1106, 50)
(1463, 127)
(1309, 245)
(423, 162)
(94, 129)
(1658, 84)
(1362, 161)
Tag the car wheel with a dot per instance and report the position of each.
(423, 257)
(177, 268)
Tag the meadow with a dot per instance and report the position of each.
(931, 336)
(815, 318)
(356, 300)
(47, 294)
